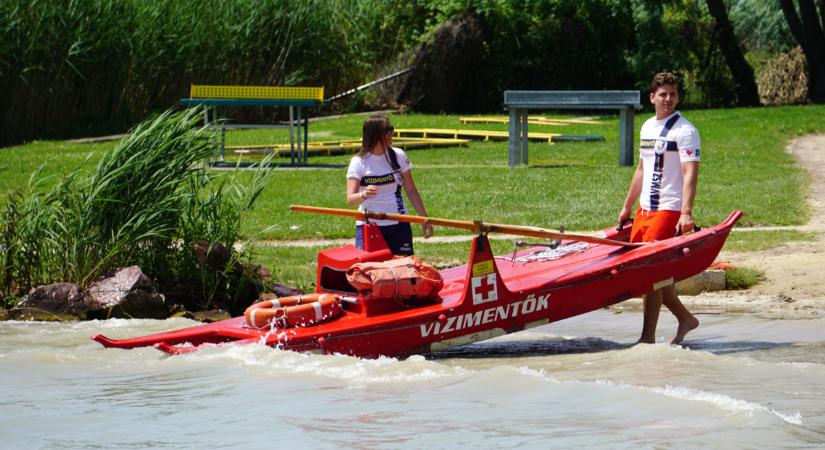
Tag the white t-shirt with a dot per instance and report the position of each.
(662, 157)
(377, 170)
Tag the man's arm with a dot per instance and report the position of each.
(632, 193)
(690, 175)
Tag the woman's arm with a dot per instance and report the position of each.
(354, 194)
(415, 200)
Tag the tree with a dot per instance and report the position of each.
(807, 29)
(746, 92)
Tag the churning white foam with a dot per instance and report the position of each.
(725, 402)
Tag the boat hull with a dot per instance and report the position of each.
(488, 297)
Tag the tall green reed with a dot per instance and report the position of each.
(147, 203)
(70, 67)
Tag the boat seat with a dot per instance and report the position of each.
(334, 263)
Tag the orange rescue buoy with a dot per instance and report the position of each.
(293, 311)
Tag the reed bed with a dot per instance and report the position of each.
(70, 68)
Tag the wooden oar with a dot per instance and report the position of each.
(476, 227)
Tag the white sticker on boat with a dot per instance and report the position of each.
(484, 288)
(664, 283)
(552, 254)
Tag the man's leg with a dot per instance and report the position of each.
(687, 321)
(652, 306)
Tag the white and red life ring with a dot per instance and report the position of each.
(298, 310)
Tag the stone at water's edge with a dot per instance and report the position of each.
(212, 315)
(215, 256)
(52, 302)
(126, 294)
(279, 290)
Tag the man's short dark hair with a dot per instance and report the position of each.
(663, 79)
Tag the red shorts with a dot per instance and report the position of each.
(649, 226)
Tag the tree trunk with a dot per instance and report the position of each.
(807, 30)
(746, 91)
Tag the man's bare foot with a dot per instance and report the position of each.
(646, 341)
(684, 328)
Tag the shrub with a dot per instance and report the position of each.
(784, 79)
(148, 201)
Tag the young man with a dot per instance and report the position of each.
(665, 184)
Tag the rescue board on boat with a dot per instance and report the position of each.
(487, 297)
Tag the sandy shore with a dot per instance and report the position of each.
(794, 284)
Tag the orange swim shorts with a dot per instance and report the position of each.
(651, 226)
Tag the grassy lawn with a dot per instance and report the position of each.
(578, 185)
(575, 184)
(753, 241)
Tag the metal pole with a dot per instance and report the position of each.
(214, 139)
(298, 134)
(291, 137)
(524, 137)
(514, 146)
(306, 135)
(626, 138)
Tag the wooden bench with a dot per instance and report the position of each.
(520, 102)
(484, 135)
(295, 98)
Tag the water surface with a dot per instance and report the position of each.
(741, 381)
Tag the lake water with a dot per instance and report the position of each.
(743, 382)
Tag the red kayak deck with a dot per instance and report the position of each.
(487, 297)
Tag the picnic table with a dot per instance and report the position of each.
(295, 98)
(520, 102)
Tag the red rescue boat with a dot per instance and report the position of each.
(487, 297)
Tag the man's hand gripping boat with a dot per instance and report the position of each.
(487, 297)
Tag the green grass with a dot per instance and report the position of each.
(754, 241)
(54, 158)
(742, 278)
(577, 185)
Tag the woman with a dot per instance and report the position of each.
(374, 181)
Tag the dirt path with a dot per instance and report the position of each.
(796, 270)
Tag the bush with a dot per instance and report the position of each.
(784, 79)
(147, 203)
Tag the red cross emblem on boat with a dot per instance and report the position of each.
(484, 288)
